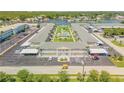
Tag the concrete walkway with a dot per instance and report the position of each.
(71, 34)
(117, 48)
(54, 69)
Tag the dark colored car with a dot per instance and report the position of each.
(95, 57)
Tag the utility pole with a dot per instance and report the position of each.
(83, 72)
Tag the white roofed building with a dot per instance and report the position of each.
(99, 51)
(29, 51)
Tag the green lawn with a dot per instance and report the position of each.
(117, 62)
(72, 77)
(63, 40)
(60, 32)
(114, 78)
(113, 31)
(74, 80)
(117, 43)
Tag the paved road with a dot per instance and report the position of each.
(118, 49)
(55, 69)
(109, 25)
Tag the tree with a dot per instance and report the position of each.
(6, 78)
(37, 78)
(30, 78)
(120, 58)
(10, 78)
(80, 77)
(104, 76)
(63, 76)
(23, 75)
(3, 77)
(122, 22)
(93, 76)
(22, 17)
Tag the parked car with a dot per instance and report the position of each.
(95, 57)
(50, 58)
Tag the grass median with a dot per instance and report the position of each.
(117, 61)
(117, 43)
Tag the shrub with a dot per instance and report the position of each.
(93, 76)
(80, 77)
(42, 78)
(63, 76)
(104, 76)
(23, 75)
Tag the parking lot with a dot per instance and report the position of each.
(13, 58)
(14, 39)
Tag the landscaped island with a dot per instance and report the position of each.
(63, 34)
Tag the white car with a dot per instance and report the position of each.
(50, 58)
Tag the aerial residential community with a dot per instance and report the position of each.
(61, 46)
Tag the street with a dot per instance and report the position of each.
(54, 69)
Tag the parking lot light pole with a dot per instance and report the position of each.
(83, 73)
(83, 66)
